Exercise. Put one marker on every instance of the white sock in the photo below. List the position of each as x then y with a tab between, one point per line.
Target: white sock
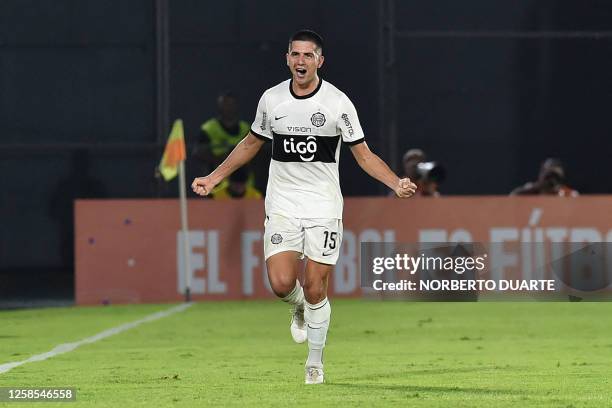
317	318
296	296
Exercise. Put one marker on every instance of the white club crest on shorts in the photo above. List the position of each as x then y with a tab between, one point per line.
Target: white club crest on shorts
318	119
276	238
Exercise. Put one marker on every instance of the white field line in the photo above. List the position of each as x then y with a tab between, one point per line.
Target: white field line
66	347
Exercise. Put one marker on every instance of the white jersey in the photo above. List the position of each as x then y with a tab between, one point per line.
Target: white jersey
305	133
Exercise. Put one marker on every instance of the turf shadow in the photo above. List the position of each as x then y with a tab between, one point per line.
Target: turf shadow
416	388
457	370
439	371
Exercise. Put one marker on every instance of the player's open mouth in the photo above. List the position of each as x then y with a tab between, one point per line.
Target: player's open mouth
301	72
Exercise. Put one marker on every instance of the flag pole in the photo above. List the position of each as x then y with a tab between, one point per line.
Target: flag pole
185	231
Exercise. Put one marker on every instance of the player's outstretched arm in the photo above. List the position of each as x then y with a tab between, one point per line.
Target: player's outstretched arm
242	154
377	168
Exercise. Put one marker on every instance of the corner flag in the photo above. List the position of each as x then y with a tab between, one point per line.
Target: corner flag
173	163
174	153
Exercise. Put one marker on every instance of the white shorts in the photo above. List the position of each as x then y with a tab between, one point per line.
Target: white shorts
318	239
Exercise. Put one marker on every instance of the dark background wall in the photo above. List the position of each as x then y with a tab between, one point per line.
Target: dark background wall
487	88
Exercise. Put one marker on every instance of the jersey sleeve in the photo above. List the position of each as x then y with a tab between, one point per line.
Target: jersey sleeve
261	124
348	123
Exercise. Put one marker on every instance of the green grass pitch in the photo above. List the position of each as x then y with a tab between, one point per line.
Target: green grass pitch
378	354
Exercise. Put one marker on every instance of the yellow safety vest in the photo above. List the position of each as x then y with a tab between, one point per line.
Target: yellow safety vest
221	142
223	194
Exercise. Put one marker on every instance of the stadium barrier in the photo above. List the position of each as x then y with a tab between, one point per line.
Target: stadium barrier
127	250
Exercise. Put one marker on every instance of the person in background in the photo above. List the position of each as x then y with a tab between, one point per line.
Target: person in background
219	135
426	175
410	161
236	187
551	181
429	177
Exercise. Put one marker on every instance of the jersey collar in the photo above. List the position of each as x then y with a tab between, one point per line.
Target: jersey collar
313	93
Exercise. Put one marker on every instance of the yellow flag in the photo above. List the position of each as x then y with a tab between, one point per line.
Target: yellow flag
174	152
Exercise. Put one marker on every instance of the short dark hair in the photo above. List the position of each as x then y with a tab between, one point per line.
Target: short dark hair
307	35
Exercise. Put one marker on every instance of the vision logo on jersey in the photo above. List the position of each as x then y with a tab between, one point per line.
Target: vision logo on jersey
318	119
301	148
299	129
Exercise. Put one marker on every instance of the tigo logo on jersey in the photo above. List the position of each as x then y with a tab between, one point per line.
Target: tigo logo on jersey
305	149
302	148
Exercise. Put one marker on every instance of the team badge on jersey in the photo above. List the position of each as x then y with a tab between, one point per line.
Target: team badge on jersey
276	238
318	119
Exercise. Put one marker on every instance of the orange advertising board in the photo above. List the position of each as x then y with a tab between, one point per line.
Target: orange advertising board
128	251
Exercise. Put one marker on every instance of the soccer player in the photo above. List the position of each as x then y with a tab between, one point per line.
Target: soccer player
305	118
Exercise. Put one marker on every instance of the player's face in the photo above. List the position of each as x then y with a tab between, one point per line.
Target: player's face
303	60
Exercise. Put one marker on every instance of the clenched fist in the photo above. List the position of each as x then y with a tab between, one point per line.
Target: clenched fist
203	185
405	188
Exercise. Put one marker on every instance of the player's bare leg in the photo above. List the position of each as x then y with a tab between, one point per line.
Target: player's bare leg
317	315
282	273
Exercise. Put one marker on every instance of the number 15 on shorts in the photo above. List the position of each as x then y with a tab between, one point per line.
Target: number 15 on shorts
330	241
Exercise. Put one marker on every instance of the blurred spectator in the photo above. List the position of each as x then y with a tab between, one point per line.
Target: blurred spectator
551	181
426	175
410	160
236	187
220	134
430	176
